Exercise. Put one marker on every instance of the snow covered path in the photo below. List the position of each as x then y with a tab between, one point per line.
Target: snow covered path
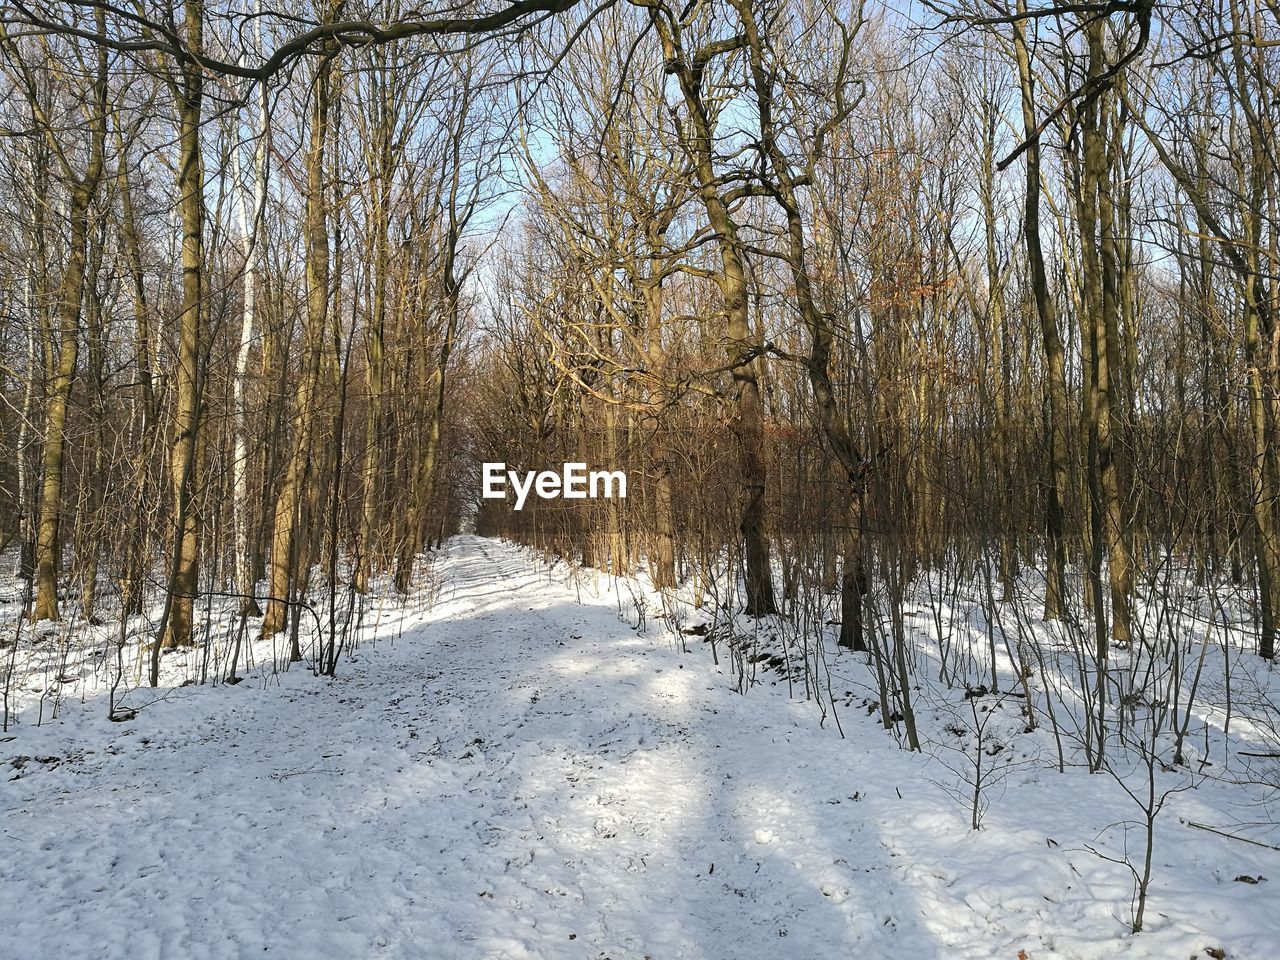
518	775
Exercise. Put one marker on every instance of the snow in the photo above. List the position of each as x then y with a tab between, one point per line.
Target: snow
513	770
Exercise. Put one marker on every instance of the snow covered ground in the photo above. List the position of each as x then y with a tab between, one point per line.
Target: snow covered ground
514	771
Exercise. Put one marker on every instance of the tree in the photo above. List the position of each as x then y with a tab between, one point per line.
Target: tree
82	188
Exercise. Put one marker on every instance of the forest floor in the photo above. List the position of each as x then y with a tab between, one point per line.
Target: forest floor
514	771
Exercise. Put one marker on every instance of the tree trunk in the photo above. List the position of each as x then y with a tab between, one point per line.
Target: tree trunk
70	301
250	217
188	378
288	552
1057	481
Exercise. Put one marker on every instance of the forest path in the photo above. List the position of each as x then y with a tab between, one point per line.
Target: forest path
514	774
618	803
517	776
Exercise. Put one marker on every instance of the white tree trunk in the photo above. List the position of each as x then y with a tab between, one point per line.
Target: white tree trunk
249	220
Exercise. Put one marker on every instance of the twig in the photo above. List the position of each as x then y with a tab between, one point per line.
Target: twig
1230	836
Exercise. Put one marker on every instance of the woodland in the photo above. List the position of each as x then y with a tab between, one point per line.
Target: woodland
940	334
